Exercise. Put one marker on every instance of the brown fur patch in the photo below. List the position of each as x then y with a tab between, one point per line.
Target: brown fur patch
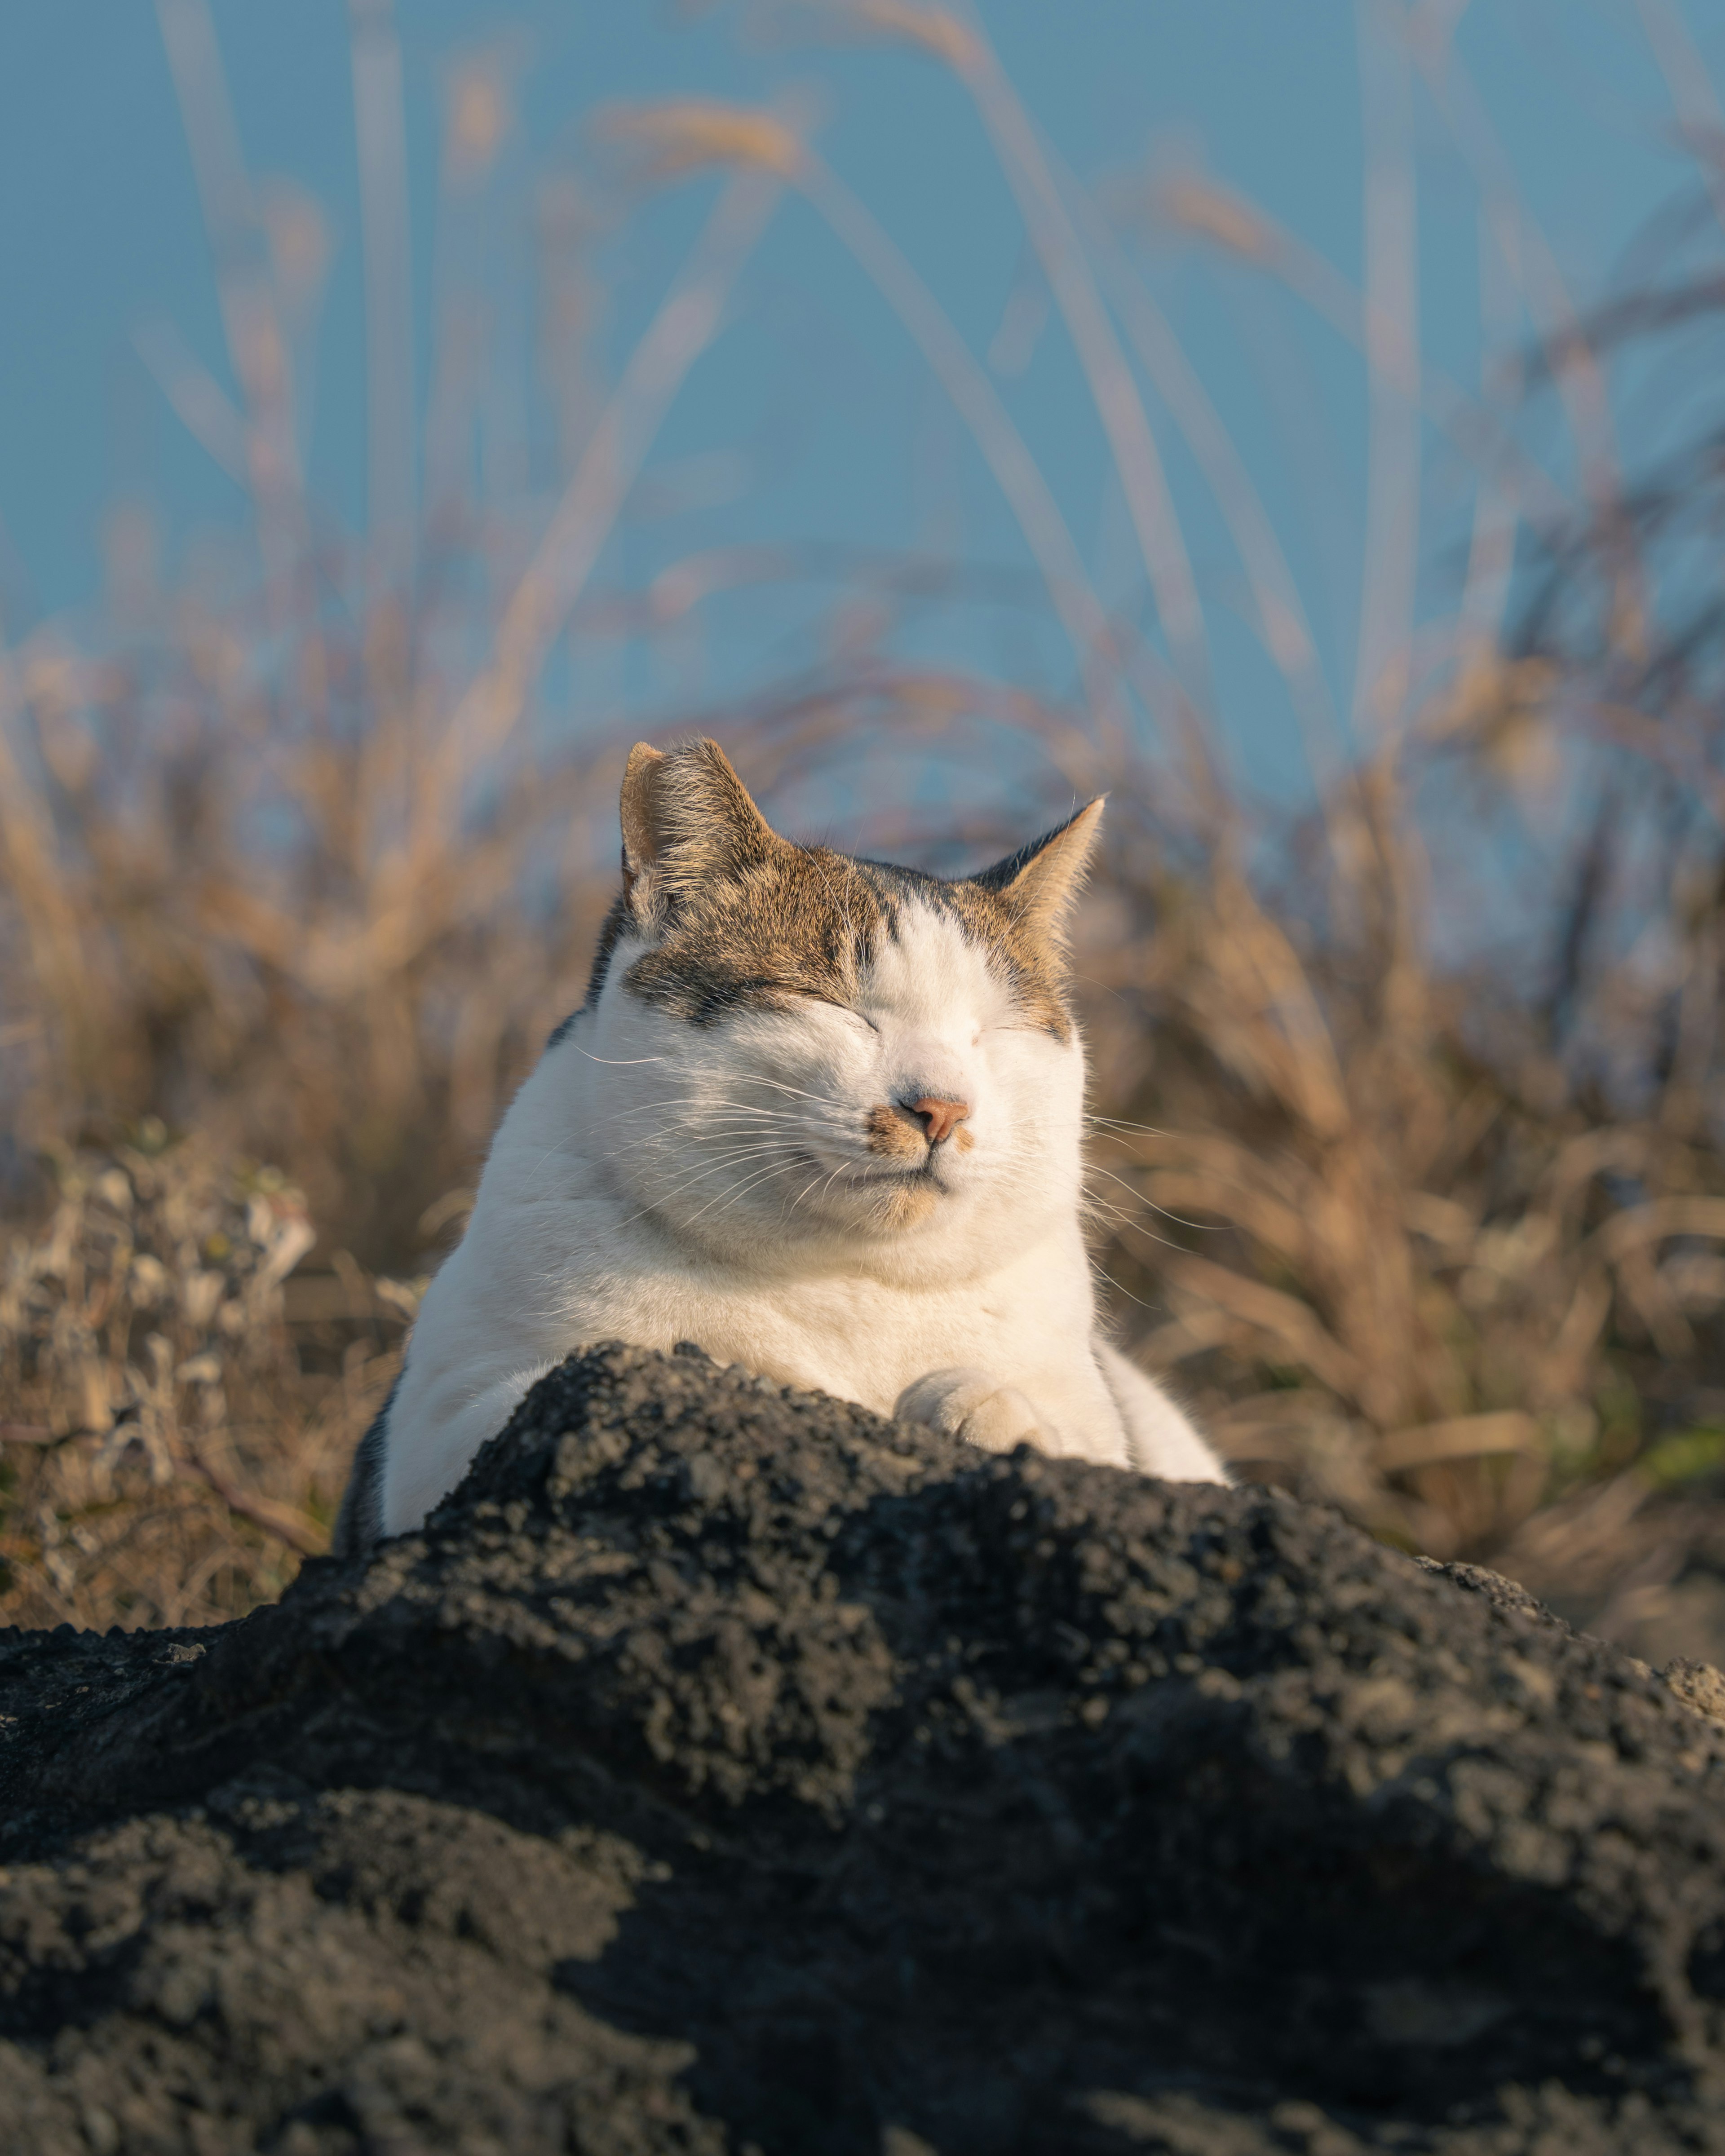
802	923
1023	904
1032	962
894	1134
903	1204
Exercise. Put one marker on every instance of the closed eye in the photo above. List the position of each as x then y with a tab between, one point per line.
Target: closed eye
811	996
832	1003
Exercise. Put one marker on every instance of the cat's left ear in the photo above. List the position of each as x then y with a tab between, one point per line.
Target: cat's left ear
1041	880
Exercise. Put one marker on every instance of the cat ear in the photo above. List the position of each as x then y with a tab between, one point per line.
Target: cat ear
1040	881
687	821
637	815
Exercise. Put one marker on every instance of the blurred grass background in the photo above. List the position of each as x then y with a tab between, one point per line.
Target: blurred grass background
1407	1163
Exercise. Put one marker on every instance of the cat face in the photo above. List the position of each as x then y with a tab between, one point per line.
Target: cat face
789	1048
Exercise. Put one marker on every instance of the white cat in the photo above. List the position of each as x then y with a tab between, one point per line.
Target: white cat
821	1117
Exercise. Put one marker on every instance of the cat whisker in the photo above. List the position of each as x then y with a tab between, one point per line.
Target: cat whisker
660	1105
682	1109
803	1192
1123	1224
713	1167
1101	1275
787	1143
1202	1227
733	1122
830	1181
732	1154
730	1125
731	1197
1112	1124
779	1085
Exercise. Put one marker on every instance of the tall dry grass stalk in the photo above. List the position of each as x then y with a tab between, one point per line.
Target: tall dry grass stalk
302	876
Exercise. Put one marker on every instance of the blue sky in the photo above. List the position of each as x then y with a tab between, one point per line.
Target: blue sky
811	422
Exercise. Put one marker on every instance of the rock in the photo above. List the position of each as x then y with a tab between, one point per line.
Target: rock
1699	1685
724	1768
1503	1594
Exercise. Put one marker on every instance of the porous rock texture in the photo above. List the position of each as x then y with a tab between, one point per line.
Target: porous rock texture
722	1768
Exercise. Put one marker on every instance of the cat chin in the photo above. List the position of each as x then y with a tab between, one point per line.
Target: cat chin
907	1205
889	1205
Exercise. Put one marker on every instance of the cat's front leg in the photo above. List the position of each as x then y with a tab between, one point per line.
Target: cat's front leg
975	1406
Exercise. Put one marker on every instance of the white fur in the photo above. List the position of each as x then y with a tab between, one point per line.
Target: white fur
658	1181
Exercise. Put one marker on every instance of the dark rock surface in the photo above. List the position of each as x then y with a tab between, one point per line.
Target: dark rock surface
721	1768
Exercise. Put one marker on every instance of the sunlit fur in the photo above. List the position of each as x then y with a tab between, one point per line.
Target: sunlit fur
755	1183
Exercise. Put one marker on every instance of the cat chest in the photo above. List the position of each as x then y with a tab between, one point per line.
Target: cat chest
865	1343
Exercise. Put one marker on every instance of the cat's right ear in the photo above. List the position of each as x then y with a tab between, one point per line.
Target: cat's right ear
688	822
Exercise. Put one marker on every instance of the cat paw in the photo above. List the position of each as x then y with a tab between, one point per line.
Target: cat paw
976	1407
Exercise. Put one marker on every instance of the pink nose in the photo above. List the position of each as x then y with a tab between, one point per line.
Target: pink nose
940	1118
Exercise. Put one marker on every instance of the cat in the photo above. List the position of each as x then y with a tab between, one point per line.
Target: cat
818	1116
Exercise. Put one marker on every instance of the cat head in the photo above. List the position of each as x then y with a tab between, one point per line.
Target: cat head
789	1046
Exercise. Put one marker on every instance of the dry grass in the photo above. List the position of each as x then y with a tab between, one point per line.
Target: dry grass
1443	1243
1440	1289
172	1451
